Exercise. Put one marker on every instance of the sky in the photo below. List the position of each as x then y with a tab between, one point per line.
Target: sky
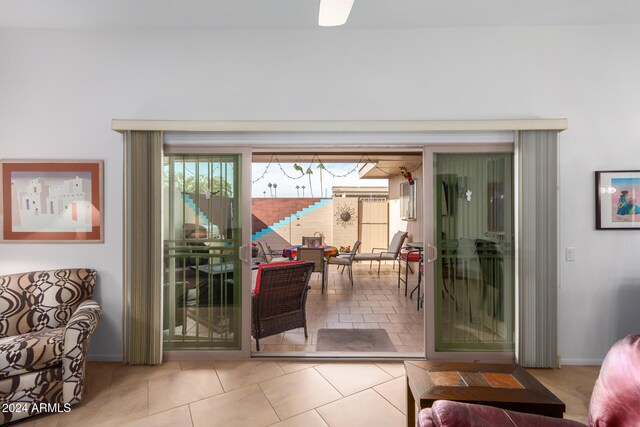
286	185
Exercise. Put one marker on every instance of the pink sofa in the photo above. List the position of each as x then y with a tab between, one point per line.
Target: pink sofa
615	400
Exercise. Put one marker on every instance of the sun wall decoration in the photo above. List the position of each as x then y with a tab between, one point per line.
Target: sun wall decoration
346	216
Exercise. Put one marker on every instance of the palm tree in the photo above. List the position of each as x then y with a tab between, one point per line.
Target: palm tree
321	167
275	189
310	172
298	190
214	185
264	194
303	187
270	187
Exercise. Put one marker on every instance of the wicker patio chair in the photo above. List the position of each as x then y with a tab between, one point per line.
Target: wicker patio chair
312	241
279	304
315	255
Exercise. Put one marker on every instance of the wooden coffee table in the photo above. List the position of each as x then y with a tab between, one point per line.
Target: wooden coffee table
506	386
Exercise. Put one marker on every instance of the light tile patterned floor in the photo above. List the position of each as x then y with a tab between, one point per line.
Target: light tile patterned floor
374	302
260	394
287	394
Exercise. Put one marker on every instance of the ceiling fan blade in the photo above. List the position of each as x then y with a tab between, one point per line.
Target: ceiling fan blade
334	12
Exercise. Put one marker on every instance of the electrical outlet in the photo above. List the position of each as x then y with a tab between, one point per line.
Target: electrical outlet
571	253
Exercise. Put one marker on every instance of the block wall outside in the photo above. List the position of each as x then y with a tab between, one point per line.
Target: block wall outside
309	224
345	234
269	210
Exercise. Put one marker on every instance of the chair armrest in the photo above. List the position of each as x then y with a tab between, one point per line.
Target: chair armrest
85	319
77	332
387	252
382	251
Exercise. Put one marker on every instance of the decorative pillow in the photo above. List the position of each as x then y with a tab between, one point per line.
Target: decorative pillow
273	264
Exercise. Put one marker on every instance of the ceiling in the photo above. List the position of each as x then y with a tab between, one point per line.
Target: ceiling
336	156
303	14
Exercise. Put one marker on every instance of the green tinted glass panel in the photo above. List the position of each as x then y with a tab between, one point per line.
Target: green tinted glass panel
474	272
202	278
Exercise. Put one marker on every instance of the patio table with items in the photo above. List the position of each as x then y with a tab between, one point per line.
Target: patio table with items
292	251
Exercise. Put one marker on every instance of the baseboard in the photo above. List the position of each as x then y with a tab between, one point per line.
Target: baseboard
585	362
104	357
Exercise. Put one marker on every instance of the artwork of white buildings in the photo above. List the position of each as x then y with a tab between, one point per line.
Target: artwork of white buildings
55	202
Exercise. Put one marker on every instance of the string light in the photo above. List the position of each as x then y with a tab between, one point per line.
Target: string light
265	170
364	159
285	172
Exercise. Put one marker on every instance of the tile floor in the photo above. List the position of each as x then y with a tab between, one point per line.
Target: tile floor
374	302
267	393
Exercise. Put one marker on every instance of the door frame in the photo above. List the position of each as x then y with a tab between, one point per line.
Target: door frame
430	238
394	134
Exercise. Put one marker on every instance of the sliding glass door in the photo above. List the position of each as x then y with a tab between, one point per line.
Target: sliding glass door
473	232
203	252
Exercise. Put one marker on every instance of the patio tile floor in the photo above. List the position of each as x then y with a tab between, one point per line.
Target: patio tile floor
374	302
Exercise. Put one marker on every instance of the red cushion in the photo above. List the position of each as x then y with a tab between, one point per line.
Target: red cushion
273	264
413	256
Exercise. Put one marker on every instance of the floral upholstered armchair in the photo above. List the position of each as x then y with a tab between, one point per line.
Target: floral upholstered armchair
46	319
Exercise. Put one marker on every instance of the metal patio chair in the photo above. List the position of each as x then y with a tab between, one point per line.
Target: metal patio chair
385	254
346	260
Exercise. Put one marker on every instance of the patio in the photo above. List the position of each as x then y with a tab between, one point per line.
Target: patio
374	302
470	274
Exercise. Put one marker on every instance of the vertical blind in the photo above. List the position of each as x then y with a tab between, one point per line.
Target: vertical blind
538	257
142	321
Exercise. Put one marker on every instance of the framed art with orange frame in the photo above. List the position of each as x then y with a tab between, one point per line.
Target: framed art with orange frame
52	201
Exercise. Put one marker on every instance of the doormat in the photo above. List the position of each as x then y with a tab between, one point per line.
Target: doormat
371	340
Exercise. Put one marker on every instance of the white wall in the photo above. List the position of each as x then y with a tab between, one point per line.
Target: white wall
414	228
60	89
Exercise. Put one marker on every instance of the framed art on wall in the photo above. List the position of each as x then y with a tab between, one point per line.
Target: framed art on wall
618	200
51	201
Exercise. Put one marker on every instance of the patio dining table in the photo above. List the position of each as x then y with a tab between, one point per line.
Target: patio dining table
292	251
